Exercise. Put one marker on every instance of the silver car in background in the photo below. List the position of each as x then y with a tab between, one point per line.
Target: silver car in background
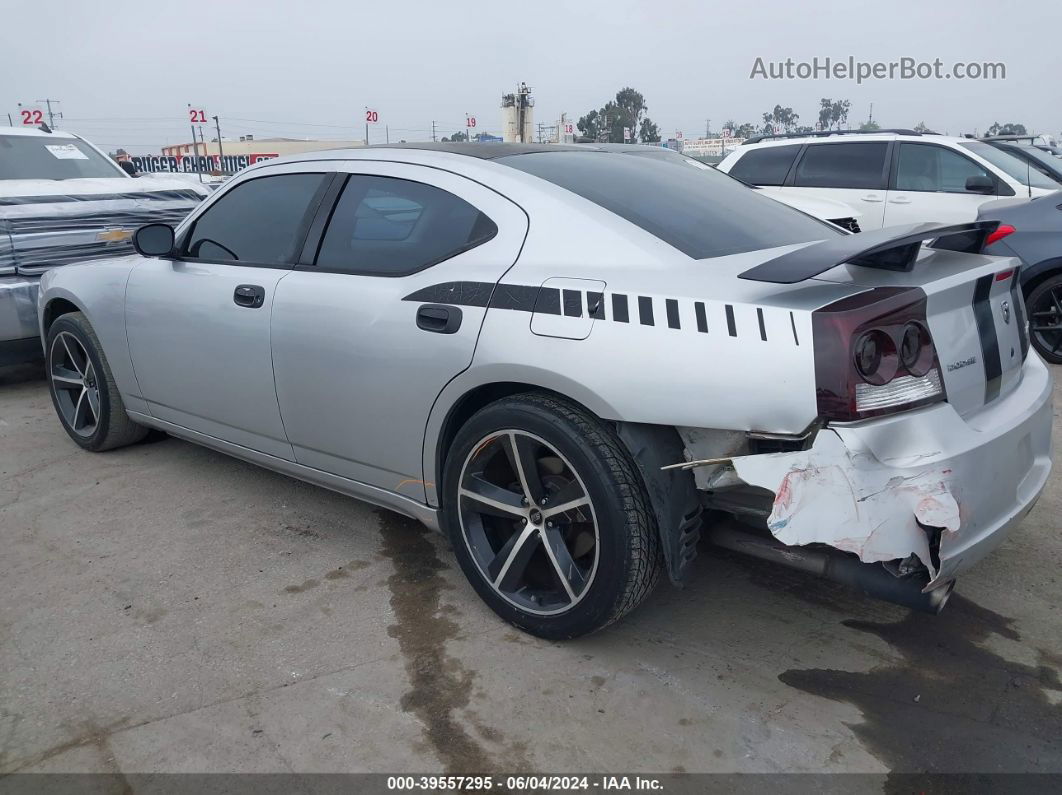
570	360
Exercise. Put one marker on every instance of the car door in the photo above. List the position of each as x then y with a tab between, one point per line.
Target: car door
852	172
928	184
369	329
198	323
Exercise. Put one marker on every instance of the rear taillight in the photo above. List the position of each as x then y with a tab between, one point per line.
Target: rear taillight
1002	231
874	355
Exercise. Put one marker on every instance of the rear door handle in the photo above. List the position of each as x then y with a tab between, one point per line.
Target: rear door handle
250	296
900	200
871	197
439	318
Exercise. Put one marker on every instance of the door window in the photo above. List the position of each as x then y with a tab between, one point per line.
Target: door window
842	165
393	227
766	166
261	221
924	167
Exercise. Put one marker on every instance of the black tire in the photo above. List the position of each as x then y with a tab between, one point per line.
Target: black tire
1044	307
628	553
112	428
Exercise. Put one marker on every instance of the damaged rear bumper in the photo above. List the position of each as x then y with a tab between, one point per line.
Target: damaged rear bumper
928	482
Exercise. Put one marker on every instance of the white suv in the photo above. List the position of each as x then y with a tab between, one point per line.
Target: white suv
890	178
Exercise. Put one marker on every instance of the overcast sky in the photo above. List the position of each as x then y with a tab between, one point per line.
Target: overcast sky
126	71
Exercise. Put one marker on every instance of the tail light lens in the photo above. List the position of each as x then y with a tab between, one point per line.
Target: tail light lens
874	355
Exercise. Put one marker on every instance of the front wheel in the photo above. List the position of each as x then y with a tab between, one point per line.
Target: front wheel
84	394
549	517
1044	307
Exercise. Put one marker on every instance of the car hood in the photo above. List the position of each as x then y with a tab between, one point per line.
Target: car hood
34	189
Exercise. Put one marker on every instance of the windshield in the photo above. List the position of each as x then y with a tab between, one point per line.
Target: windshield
1011	165
702	213
1045	161
40	157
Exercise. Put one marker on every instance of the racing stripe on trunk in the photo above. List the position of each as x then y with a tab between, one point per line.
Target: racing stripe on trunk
986	332
1018	302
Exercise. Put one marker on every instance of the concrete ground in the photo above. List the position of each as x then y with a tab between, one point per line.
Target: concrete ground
166	608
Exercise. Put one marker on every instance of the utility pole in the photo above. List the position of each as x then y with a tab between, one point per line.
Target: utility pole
195	148
51	116
387	133
870	119
221	152
708	129
433	132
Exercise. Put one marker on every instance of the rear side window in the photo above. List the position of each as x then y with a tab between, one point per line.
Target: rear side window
847	165
261	221
923	167
702	213
392	227
767	166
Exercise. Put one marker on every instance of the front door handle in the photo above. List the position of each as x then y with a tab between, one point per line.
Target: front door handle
872	197
900	200
250	296
439	318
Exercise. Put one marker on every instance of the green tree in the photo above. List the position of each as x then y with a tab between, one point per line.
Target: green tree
457	137
649	133
785	118
921	127
627	110
590	125
833	115
1006	129
869	126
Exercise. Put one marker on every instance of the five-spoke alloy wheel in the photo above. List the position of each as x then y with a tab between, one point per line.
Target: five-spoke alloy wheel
548	516
1045	319
83	390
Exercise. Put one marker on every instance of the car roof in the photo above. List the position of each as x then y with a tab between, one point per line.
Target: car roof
34	131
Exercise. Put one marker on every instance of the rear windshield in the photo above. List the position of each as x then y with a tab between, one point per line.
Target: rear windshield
702	213
33	157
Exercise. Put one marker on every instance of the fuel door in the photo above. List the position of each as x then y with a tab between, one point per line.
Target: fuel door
567	308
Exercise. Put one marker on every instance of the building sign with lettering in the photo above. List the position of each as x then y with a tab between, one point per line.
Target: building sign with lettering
194	164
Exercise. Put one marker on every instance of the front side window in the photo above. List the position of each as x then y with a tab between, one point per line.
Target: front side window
842	165
261	221
766	166
1010	165
385	226
923	167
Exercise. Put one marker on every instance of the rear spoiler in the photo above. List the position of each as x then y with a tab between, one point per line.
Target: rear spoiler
894	248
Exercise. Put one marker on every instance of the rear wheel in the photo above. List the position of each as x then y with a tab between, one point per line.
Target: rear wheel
83	390
1044	307
549	517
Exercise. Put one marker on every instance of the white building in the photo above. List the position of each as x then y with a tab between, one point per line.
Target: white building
518	116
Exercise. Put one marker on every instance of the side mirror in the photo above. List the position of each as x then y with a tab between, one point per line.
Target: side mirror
980	184
154	240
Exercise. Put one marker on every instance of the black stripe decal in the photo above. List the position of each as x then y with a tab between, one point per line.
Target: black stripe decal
672	313
518	297
763	329
645	310
619	308
573	303
792	322
1018	305
549	301
595	305
986	332
730	325
457	293
702	318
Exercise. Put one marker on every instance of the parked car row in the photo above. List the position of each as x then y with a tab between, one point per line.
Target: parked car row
903	177
573	359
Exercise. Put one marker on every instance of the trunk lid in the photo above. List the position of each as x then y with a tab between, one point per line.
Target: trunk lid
976	317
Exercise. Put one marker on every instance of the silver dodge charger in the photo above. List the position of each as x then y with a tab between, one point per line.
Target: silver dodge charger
575	363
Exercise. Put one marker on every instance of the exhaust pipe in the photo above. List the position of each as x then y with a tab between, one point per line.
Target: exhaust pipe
870	578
